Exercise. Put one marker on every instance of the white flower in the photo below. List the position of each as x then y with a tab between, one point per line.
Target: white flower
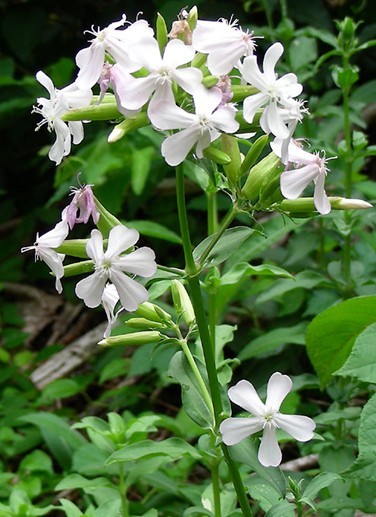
110	265
110	298
198	129
54	108
163	71
44	250
266	418
118	43
307	167
274	94
224	42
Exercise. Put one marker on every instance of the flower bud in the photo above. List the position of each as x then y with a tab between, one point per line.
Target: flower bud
260	175
133	339
240	92
254	152
230	146
143	323
73	247
342	203
152	312
127	126
106	221
210	80
161	32
182	302
79	268
215	154
103	111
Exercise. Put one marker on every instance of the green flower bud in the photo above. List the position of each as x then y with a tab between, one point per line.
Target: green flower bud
133	339
230	146
260	175
79	268
106	221
215	154
73	248
182	302
103	111
210	80
152	312
192	18
143	323
161	32
127	126
342	203
240	92
199	60
254	152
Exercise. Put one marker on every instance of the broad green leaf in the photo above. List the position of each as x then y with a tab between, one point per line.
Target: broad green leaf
36	461
282	509
272	340
59	437
171	448
303	280
60	389
230	241
70	509
109	508
331	335
319	482
153	229
244	269
365	465
361	363
265	493
78	481
141	164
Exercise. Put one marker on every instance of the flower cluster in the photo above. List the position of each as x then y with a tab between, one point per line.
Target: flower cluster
170	86
114	268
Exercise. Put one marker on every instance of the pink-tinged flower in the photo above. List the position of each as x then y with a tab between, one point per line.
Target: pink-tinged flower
274	95
165	70
110	299
198	129
117	43
83	203
224	42
267	418
302	168
111	266
54	108
44	247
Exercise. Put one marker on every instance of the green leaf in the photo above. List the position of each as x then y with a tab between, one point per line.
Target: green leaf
331	335
230	241
282	509
59	389
59	437
171	448
319	482
303	280
70	509
361	363
37	461
77	481
243	269
272	340
152	229
365	465
141	164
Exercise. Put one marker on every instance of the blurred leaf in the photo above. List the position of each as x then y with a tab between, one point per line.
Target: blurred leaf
153	229
141	164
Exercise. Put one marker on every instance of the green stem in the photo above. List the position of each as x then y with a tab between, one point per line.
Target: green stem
196	372
208	349
212	212
216	490
123	492
229	217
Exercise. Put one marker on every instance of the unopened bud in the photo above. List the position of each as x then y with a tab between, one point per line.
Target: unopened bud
342	203
152	312
127	126
161	32
253	154
210	80
182	302
143	323
230	146
215	154
73	248
79	268
103	111
133	339
260	175
106	221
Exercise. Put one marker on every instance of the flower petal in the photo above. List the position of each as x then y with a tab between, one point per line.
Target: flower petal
271	121
90	289
252	103
177	53
299	427
131	293
244	395
90	61
234	430
269	453
176	147
120	239
140	262
271	57
278	387
295	181
94	246
321	200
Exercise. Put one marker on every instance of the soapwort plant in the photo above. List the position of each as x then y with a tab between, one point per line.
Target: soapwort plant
223	108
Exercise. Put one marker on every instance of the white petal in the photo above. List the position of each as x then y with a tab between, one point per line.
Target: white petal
121	239
252	103
278	387
206	101
274	122
234	430
176	147
46	82
94	246
167	115
58	149
251	73
131	293
90	61
244	395
295	181
269	453
77	131
188	78
55	237
321	200
271	57
55	262
140	262
222	60
137	91
90	289
206	137
177	53
110	298
224	119
298	426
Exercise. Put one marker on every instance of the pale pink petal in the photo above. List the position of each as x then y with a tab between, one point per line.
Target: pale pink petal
90	61
177	53
139	262
176	147
135	92
120	239
206	137
293	182
234	430
90	289
94	246
321	200
269	453
224	119
300	427
165	115
188	78
131	293
244	395
278	387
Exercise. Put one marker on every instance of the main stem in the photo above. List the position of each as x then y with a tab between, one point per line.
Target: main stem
207	345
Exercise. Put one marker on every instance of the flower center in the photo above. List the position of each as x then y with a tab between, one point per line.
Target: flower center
104	267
